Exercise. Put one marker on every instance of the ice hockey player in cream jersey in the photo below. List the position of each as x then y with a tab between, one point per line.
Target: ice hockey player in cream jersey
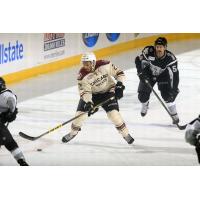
98	81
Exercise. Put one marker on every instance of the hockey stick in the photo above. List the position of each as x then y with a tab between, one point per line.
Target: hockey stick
61	125
179	126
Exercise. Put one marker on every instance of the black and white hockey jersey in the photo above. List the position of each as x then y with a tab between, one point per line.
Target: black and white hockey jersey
155	68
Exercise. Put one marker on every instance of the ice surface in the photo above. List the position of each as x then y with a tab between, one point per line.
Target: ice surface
157	142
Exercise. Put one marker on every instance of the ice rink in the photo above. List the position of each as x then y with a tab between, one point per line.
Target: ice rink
157	142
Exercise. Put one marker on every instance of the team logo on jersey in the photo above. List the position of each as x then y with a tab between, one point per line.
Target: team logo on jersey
90	39
100	80
146	51
112	36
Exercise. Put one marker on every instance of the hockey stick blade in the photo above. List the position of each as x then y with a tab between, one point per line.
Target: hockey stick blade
164	106
27	136
181	127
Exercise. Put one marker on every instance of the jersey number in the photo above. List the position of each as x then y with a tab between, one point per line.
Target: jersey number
174	68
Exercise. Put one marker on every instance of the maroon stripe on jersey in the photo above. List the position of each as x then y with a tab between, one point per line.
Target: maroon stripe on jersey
82	73
112	87
100	63
121	127
120	73
75	128
82	94
86	92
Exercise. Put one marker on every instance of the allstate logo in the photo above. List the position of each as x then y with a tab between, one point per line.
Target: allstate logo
112	36
10	52
90	39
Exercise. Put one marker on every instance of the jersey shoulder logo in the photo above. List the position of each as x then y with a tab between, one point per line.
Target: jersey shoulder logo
146	50
151	49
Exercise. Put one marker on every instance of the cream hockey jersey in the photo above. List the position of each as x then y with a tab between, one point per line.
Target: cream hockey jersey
100	80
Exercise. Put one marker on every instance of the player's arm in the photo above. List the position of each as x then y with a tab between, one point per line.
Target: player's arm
142	61
11	114
119	76
117	73
173	69
173	63
12	102
85	90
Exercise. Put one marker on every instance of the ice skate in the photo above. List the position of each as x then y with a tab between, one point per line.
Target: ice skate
67	138
172	110
129	139
22	162
145	107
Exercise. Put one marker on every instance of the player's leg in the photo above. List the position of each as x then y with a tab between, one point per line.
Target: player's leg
77	123
112	110
8	141
144	95
169	94
120	125
172	109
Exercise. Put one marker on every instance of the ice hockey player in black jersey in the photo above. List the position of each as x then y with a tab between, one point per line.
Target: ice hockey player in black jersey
192	135
8	113
158	65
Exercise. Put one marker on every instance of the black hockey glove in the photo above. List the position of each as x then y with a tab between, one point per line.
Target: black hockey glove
143	77
119	89
89	108
9	116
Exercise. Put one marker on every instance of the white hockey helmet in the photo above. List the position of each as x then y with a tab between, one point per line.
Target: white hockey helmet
89	56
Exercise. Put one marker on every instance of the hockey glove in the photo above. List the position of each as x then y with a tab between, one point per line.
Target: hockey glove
143	77
89	108
119	89
9	116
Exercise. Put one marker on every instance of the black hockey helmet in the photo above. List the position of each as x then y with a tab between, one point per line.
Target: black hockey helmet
161	41
2	84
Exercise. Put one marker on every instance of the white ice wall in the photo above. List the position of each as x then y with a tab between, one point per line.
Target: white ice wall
32	48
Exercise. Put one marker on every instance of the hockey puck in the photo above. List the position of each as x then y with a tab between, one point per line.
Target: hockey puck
39	149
